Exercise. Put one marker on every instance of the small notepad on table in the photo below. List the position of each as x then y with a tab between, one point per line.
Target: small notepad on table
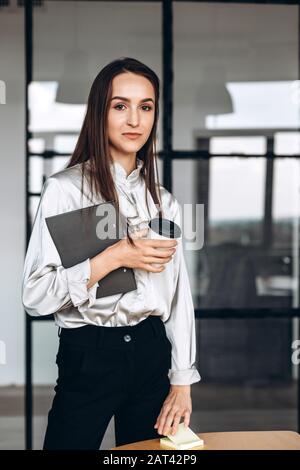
184	438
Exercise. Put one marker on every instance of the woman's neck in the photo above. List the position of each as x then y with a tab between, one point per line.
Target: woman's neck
128	163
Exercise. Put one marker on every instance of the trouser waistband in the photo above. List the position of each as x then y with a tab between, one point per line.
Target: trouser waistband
92	336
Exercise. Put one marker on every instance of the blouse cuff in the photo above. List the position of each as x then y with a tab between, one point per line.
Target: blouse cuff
184	377
77	278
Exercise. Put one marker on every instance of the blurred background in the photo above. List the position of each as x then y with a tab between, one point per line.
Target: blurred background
228	138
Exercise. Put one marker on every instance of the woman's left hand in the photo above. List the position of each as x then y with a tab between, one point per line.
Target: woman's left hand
177	404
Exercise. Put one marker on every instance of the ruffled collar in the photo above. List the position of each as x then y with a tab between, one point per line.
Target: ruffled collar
131	198
120	174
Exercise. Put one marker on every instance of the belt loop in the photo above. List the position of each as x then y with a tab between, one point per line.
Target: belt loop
59	331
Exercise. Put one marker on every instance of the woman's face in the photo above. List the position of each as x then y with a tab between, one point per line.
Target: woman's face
131	109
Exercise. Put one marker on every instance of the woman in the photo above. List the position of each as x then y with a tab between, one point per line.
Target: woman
132	355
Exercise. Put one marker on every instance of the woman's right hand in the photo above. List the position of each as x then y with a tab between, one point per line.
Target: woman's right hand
144	253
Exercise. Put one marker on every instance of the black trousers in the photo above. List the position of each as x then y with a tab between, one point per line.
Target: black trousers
109	371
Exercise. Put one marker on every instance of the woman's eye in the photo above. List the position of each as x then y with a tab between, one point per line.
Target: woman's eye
117	107
149	107
145	106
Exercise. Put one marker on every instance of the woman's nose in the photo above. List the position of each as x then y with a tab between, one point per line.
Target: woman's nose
133	118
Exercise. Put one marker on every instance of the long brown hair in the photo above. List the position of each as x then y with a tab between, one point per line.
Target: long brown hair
92	143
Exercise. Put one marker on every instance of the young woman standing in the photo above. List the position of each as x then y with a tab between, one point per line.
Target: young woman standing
132	355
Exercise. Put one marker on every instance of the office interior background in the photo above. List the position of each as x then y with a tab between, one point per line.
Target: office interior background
228	138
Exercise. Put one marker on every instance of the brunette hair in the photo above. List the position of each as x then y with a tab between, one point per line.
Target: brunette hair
92	143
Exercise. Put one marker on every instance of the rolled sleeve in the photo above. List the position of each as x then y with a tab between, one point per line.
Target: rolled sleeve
77	278
180	326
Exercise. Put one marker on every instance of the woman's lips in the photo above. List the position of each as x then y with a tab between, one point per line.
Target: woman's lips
132	136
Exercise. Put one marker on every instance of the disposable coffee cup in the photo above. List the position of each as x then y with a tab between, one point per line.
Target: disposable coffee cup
163	229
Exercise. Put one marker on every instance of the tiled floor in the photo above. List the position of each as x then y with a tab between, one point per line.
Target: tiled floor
215	408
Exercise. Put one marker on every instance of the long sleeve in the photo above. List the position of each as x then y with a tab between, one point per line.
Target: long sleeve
47	286
180	326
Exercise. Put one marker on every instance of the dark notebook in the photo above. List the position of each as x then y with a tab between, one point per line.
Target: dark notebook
83	233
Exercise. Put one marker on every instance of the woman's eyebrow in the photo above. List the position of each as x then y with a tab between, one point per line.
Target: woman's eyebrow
128	100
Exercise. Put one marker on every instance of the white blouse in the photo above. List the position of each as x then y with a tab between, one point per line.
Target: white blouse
49	288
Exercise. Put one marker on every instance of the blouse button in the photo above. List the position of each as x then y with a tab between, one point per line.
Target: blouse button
127	338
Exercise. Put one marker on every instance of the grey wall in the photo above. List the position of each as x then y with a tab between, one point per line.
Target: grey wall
12	188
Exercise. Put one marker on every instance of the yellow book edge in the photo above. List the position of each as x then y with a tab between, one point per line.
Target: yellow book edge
165	441
184	438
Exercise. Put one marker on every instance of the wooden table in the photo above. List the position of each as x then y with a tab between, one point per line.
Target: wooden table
246	440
